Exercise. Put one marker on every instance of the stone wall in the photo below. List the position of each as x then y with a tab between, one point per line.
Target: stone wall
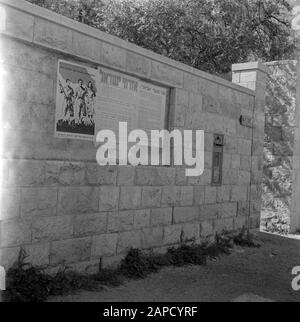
60	206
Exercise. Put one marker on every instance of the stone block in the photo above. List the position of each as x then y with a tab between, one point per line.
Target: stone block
231	145
227	160
181	178
240	223
190	82
185	214
161	216
137	64
109	198
126	176
245	163
203	180
24	56
230	177
97	175
18	24
166	75
23	173
10	203
193	116
207	228
211	104
228	210
224	225
187	196
165	176
128	240
78	200
145	176
180	115
15	233
52	172
210	195
53	35
112	262
209	212
244	147
122	221
243	209
86	47
257	177
52	228
239	193
191	232
256	192
223	194
230	126
70	251
172	234
151	237
36	202
113	56
86	225
199	195
104	245
151	196
8	256
236	162
142	218
38	254
130	198
244	177
171	196
72	174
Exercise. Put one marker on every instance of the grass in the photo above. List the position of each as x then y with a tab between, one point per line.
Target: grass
26	283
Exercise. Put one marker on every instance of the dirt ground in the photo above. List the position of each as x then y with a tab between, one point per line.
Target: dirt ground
247	275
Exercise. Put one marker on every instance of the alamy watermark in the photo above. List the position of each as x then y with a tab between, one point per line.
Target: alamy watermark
296	280
140	148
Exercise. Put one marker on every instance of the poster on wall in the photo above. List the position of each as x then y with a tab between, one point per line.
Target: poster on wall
123	98
75	101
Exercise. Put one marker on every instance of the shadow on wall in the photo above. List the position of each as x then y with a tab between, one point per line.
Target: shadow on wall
278	146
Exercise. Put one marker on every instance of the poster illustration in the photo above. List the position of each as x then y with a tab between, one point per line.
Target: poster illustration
75	101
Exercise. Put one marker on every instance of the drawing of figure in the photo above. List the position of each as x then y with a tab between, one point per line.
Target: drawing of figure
90	100
80	105
68	98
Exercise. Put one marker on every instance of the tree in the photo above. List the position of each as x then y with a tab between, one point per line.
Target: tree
209	35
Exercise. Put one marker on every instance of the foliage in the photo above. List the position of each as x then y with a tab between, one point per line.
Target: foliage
209	35
27	283
279	146
137	264
245	239
277	223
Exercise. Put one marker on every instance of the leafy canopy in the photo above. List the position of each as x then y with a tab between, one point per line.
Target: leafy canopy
209	35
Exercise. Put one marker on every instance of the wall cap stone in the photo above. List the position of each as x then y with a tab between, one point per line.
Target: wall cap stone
249	67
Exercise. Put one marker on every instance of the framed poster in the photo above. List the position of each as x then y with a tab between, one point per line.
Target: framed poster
75	101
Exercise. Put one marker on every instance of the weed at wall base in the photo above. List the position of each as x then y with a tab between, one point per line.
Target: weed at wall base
26	283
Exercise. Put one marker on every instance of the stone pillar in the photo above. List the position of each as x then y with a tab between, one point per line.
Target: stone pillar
253	76
295	207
